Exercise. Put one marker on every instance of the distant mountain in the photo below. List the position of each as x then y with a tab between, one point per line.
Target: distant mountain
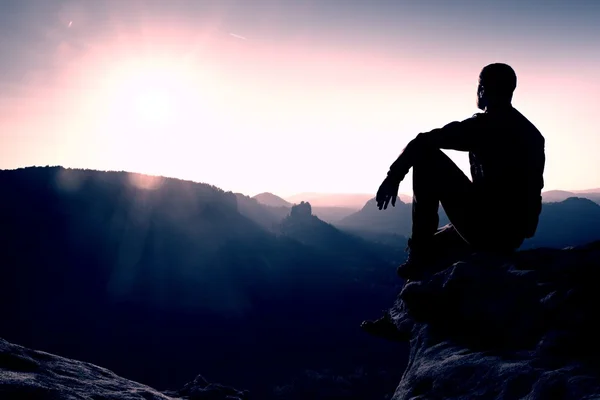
269	199
328	214
136	273
395	220
345	200
594	196
357	201
332	214
552	196
268	217
354	201
571	222
302	223
353	251
405	198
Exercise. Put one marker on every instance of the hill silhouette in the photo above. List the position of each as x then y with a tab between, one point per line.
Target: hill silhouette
332	214
592	194
553	196
355	252
353	201
395	220
329	214
269	199
571	222
136	273
269	217
345	200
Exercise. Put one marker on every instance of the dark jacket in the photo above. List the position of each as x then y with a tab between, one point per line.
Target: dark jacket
506	153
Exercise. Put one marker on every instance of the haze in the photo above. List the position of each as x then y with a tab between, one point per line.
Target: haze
285	96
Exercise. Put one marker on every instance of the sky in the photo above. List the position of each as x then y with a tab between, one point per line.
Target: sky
286	96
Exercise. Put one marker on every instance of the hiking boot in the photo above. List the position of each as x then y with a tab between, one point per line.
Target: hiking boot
417	263
385	328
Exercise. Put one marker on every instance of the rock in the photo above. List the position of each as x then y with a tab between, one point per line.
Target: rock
302	210
518	327
201	389
35	375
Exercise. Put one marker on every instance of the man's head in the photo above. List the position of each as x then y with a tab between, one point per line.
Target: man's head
497	83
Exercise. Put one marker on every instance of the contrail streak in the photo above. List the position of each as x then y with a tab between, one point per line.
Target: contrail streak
238	36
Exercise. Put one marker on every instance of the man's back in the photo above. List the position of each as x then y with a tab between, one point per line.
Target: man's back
507	165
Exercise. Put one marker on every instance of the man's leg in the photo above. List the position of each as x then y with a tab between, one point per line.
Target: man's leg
436	178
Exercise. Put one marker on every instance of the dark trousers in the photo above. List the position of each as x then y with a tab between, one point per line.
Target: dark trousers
437	179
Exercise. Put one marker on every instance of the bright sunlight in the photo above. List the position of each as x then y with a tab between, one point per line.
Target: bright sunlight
148	107
152	94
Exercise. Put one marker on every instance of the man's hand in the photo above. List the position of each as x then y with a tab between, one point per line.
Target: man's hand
387	191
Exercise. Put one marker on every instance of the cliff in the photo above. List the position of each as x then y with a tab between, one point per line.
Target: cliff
518	327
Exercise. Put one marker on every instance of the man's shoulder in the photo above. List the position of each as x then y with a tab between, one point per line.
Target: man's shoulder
476	117
474	120
470	124
529	126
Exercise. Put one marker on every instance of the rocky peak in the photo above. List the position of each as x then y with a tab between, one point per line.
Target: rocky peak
302	210
518	327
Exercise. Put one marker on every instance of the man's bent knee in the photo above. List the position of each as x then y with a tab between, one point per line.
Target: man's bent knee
433	162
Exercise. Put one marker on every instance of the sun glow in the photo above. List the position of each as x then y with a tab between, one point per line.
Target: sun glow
147	112
153	106
143	94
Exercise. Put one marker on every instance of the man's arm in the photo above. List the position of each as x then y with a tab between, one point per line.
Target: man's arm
460	136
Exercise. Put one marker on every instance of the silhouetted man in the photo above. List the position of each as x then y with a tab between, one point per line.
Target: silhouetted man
500	207
495	211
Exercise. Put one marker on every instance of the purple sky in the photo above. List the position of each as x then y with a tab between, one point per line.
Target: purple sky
285	96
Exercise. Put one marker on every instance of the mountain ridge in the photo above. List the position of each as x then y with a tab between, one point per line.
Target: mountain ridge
270	199
170	272
570	222
329	214
554	196
346	200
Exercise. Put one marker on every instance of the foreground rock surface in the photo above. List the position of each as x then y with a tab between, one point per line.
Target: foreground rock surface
523	327
35	375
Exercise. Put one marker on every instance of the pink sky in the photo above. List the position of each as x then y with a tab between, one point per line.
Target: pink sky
280	105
